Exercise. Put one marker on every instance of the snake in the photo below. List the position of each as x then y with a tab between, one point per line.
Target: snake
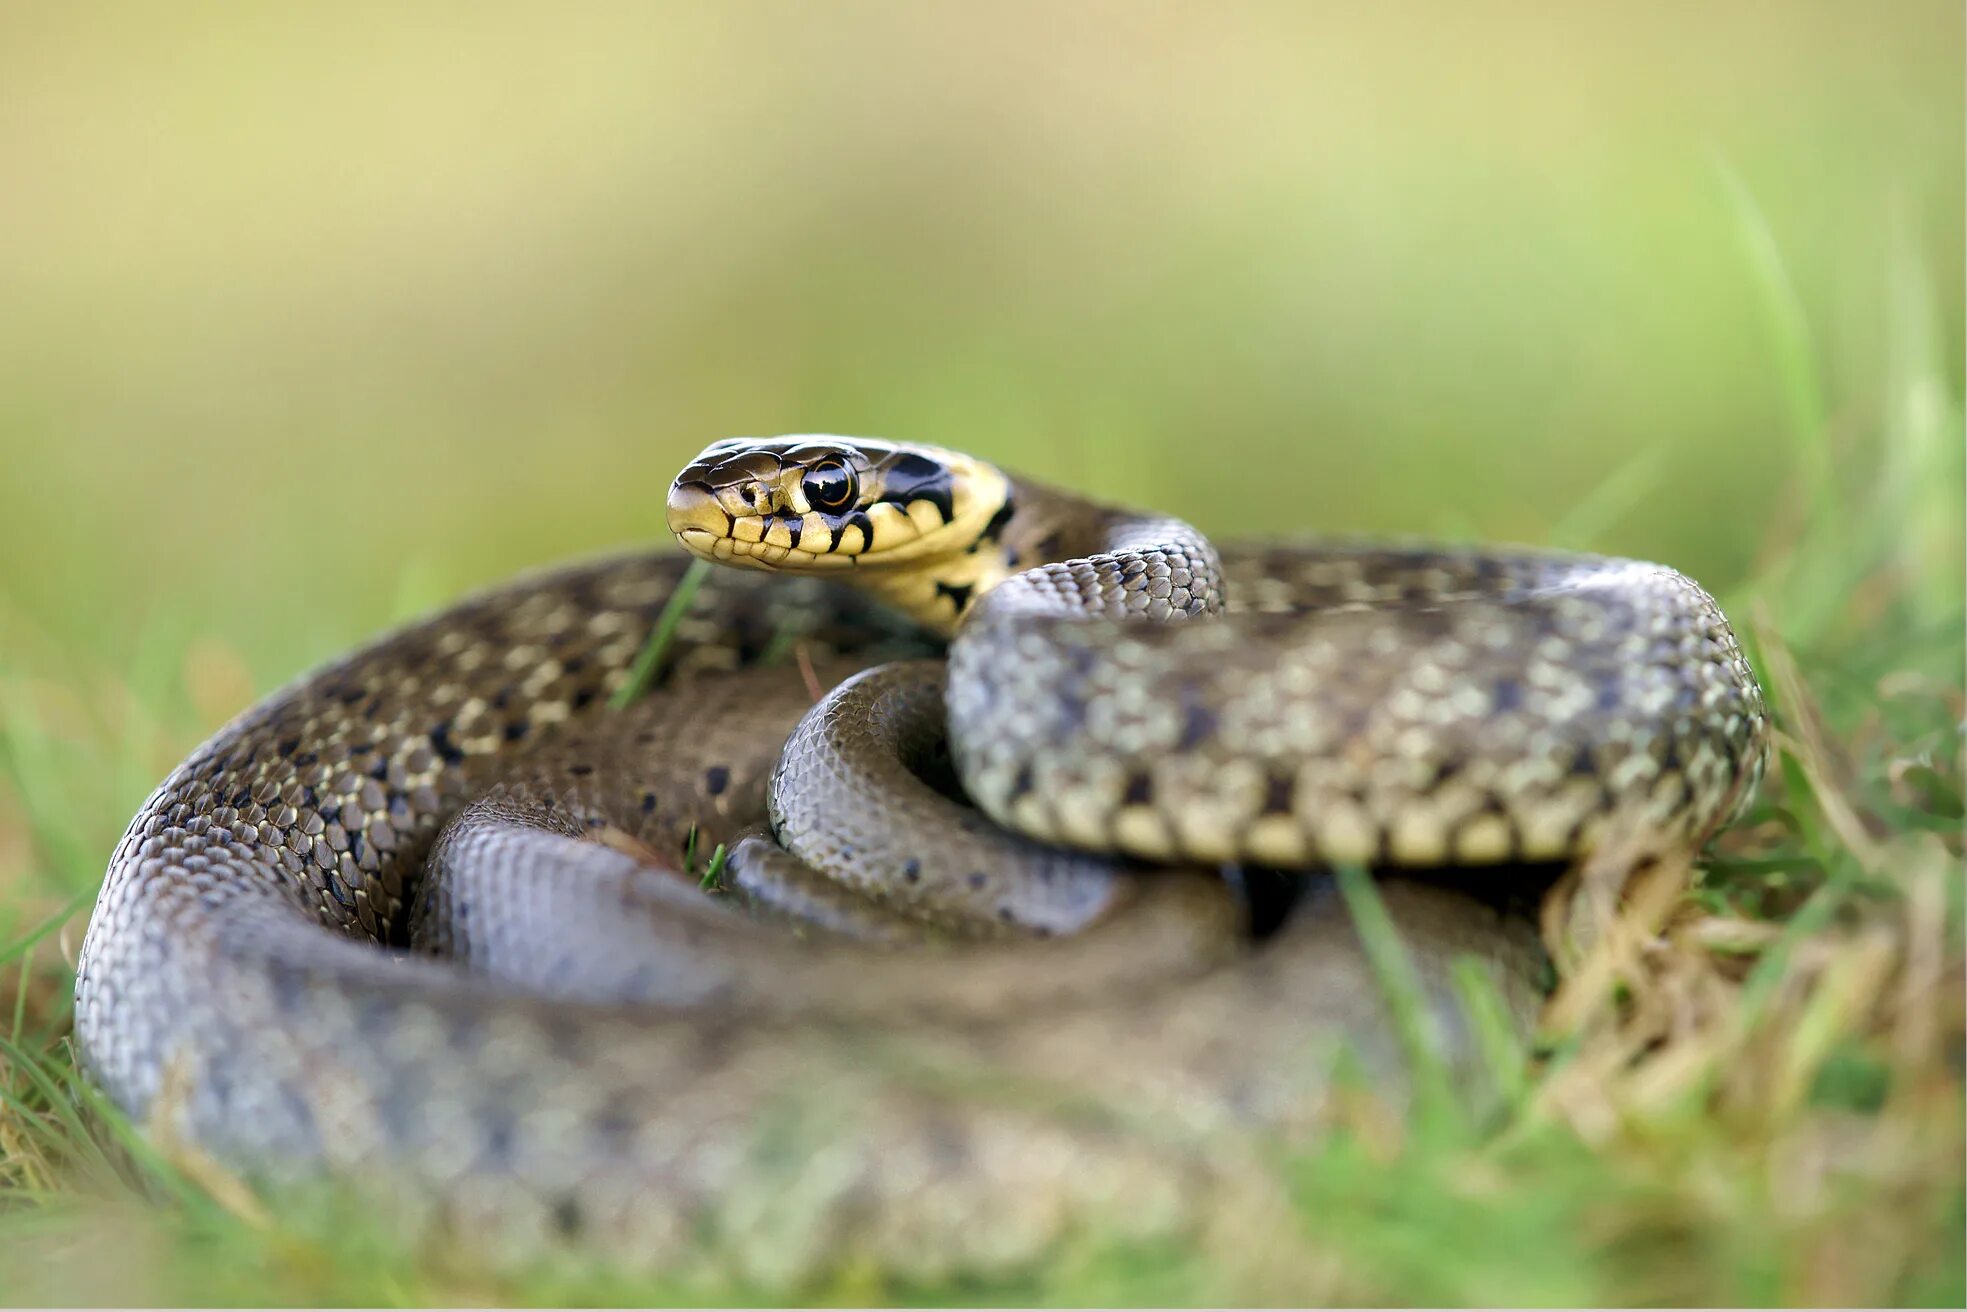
972	872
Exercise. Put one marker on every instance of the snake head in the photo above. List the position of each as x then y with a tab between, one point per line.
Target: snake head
813	503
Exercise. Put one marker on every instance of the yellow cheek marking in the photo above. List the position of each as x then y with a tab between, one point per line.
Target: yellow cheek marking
748	529
780	534
926	517
814	535
852	540
892	526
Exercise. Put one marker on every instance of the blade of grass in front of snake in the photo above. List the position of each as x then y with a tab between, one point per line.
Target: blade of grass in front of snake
714	872
1488	1018
643	672
708	878
1400	985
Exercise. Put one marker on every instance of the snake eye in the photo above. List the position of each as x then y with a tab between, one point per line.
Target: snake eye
830	485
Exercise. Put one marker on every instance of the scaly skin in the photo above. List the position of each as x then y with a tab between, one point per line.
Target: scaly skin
414	922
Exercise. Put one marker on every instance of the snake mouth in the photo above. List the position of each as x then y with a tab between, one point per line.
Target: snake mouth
705	522
817	504
707	545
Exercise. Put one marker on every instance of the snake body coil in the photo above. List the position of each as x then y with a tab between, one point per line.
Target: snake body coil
416	921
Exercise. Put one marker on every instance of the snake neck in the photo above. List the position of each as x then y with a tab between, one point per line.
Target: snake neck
937	593
1034	526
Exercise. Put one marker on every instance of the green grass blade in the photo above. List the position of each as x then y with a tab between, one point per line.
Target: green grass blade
1496	1037
1393	969
643	673
1789	333
47	926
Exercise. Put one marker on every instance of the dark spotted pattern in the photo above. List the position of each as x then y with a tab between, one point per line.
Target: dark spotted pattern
419	922
532	1034
1407	706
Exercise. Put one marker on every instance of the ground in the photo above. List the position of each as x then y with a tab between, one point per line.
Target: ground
1747	1089
309	327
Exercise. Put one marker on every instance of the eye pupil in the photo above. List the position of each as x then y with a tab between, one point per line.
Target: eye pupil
829	485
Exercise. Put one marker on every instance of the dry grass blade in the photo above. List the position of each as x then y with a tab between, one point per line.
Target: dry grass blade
1600	923
221	1185
1808	744
1927	983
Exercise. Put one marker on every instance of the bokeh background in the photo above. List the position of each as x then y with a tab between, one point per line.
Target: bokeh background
313	317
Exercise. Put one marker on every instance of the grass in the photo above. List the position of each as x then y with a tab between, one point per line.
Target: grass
1748	1089
647	661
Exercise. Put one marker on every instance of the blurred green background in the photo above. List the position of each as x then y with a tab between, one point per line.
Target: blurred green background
311	317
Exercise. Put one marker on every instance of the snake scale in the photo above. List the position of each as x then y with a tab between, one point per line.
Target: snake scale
999	768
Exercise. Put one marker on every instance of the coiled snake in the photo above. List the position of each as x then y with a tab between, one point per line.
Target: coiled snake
418	921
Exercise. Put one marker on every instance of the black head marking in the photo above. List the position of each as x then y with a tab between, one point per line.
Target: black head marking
994	530
958	594
917	478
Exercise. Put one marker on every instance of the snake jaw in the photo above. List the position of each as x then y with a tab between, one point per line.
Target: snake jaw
747	555
918	524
